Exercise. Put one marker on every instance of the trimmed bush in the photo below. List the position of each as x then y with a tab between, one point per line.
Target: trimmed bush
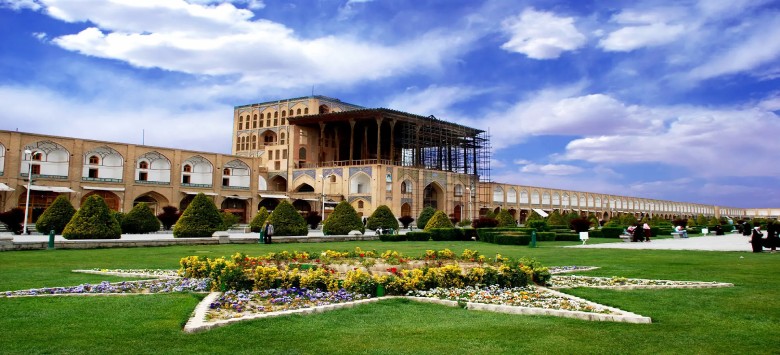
539	225
256	225
505	219
596	233
343	220
392	237
93	221
56	217
612	232
140	220
228	220
287	221
555	218
425	215
169	216
418	236
383	218
200	220
439	220
546	236
511	239
406	221
568	237
446	234
484	222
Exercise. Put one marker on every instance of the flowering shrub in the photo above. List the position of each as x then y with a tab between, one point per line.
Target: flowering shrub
359	281
320	278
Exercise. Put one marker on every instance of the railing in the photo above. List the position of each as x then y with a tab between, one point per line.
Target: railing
85	178
39	176
147	182
195	185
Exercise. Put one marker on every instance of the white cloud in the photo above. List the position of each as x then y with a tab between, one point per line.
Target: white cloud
224	40
541	35
433	100
551	169
630	38
17	5
521	162
349	9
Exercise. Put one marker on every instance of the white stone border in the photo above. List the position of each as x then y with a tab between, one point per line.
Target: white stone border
125	274
589	268
679	284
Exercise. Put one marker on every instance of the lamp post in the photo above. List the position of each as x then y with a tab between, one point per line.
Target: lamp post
29	182
322	192
468	207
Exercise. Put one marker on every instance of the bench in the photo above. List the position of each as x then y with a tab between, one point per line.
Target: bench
626	237
678	235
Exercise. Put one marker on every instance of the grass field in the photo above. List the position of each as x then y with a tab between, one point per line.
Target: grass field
743	319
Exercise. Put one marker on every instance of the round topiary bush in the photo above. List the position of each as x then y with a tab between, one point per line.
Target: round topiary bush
257	223
287	221
140	220
200	220
425	215
439	220
383	218
343	220
505	219
93	221
56	217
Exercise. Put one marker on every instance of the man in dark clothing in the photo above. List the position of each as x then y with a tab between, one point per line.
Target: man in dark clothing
269	231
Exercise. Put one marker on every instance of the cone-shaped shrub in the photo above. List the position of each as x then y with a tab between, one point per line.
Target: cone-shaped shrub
93	221
200	220
425	215
343	220
56	217
257	223
287	221
505	219
533	217
439	220
383	218
556	219
140	220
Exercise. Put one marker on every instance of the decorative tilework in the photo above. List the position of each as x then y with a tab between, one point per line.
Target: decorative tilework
309	172
363	197
366	169
333	171
440	178
406	200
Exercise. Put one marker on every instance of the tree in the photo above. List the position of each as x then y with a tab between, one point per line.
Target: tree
439	220
701	220
343	220
200	220
56	216
93	221
257	223
628	219
533	217
556	219
713	221
505	219
425	215
140	220
287	221
383	218
406	221
580	224
169	216
228	220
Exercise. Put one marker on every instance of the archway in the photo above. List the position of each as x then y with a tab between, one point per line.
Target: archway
303	207
456	214
278	183
432	195
235	206
39	202
406	210
112	200
269	204
154	200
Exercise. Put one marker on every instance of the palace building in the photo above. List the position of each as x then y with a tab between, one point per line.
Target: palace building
314	151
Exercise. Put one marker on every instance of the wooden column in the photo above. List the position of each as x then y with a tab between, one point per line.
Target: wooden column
351	140
322	142
378	138
392	142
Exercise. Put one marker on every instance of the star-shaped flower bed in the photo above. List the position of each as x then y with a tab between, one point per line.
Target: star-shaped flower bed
221	308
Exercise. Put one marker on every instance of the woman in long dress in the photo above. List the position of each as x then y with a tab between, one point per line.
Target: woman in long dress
757	240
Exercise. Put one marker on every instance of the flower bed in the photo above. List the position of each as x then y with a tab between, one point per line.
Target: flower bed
571	281
124	287
237	304
530	296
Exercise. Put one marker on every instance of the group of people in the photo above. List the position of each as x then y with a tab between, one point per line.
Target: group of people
639	234
266	233
757	240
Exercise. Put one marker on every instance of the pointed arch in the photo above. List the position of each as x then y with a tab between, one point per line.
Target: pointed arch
433	195
360	184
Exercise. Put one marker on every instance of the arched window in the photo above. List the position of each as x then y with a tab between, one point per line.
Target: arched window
281	138
94	160
187	168
333	178
302	154
37	156
240	122
143	165
226	171
299	111
254	142
254	122
360	204
305	110
284	113
276	114
291	112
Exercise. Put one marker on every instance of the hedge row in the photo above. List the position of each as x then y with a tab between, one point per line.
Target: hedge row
436	234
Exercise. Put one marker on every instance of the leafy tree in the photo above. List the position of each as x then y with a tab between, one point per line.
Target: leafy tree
490	214
439	220
343	220
570	216
580	224
713	221
505	219
56	217
484	222
228	220
287	221
257	223
627	219
140	220
93	221
425	215
169	216
540	225
200	220
383	218
701	220
533	217
556	219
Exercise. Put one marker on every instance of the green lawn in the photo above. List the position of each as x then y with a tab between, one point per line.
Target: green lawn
743	319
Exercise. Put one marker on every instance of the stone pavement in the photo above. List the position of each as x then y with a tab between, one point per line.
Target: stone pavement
728	242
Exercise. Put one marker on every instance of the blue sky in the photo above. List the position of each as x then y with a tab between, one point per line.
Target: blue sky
674	100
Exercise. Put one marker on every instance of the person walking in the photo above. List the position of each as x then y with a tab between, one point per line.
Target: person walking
269	232
757	239
772	238
646	230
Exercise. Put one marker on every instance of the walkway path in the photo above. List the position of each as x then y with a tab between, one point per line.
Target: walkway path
728	242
